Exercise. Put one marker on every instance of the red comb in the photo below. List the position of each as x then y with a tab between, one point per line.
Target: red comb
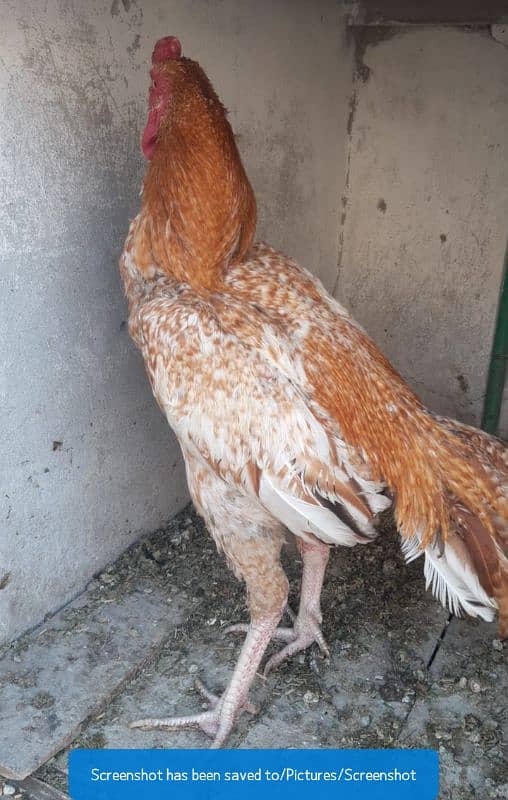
168	47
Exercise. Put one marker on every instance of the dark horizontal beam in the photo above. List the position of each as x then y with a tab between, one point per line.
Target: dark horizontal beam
427	12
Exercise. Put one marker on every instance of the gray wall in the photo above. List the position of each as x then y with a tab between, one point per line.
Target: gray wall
420	241
87	461
425	220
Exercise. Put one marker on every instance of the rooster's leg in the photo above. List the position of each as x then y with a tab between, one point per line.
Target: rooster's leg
306	626
267	594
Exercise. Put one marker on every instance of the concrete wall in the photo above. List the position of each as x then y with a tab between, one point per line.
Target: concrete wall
425	218
87	462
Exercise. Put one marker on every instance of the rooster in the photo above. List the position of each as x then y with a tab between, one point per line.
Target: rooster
288	416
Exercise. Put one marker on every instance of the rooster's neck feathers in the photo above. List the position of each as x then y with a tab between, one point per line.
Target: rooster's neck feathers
198	206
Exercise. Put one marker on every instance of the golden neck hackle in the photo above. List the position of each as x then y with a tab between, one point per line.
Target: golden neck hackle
198	210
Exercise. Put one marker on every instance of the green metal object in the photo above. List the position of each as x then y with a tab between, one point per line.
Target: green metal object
497	367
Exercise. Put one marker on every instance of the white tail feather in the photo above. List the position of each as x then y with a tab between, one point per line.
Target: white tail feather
452	579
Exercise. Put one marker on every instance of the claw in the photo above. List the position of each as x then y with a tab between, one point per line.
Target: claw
290	649
304	634
205	693
209	721
321	642
301	636
287	651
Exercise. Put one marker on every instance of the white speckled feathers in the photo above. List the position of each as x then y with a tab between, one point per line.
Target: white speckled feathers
237	373
233	388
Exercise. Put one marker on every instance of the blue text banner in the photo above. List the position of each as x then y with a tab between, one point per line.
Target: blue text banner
266	774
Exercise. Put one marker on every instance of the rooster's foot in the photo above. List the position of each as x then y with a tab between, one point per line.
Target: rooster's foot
305	631
217	722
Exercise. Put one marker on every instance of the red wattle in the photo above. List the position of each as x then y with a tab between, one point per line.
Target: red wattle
149	138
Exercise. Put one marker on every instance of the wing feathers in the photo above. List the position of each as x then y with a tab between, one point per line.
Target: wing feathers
308	516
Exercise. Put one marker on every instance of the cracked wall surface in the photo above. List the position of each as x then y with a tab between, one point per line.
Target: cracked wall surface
88	463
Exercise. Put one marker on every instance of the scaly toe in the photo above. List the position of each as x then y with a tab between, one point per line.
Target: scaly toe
206	694
321	642
239	627
299	640
212	722
285	634
282	634
207	721
287	651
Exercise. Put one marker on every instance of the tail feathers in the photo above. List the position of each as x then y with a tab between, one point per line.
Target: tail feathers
468	572
490	457
452	578
491	452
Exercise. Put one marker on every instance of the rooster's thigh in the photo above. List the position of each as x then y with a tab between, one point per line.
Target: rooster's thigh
249	536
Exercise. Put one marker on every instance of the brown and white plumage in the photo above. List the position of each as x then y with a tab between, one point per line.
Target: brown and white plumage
288	416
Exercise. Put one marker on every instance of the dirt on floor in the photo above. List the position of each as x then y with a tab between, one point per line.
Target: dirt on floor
400	673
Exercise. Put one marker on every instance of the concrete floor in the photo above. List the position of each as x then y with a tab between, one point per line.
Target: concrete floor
153	621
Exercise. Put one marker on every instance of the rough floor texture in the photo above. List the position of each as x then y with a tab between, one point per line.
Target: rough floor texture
54	680
376	691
